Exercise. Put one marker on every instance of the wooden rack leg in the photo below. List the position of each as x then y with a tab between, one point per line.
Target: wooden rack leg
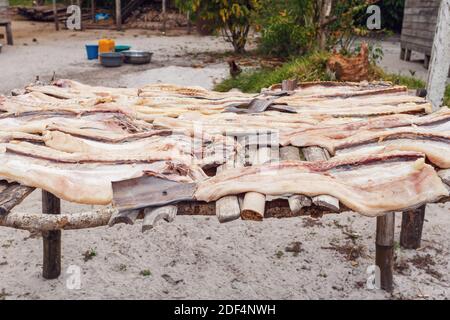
9	35
402	53
385	250
408	55
52	239
412	225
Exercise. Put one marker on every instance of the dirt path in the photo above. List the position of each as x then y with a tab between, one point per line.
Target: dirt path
198	258
63	53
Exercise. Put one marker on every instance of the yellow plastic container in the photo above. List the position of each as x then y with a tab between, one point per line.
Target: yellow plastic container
104	45
112	45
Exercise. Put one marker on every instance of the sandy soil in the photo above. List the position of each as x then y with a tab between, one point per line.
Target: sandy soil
196	257
199	258
63	53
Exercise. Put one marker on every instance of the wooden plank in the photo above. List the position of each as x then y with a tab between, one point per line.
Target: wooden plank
119	14
419	41
440	58
416	47
164	14
419	33
424	11
93	11
413	25
421	3
253	206
153	215
55	15
12	194
296	202
227	208
385	249
318	154
126	217
9	34
51	239
412	225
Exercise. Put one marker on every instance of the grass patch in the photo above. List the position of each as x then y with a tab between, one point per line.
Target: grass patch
20	2
145	273
29	3
309	68
89	254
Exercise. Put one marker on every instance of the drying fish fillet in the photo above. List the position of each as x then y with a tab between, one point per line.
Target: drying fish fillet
436	146
392	99
42	152
171	90
19	136
205	151
87	183
37	122
69	89
326	133
370	184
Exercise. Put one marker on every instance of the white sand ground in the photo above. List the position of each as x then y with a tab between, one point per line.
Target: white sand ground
196	257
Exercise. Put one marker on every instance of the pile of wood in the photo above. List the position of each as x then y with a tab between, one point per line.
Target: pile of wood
43	13
152	19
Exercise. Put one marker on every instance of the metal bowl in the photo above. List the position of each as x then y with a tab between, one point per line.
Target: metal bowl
111	59
137	57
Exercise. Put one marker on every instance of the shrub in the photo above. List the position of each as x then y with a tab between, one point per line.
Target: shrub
284	37
232	17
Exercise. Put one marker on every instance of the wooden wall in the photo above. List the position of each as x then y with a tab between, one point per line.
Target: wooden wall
4	4
419	23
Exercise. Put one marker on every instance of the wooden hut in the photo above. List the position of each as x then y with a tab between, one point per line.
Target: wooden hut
419	25
5	20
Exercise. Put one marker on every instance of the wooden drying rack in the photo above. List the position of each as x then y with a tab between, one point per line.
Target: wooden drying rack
254	206
251	206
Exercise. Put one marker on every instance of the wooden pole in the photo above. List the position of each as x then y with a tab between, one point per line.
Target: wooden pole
119	14
188	16
93	10
440	57
9	35
164	15
385	250
55	14
412	225
52	239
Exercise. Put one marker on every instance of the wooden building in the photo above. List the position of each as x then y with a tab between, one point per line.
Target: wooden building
5	20
419	26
